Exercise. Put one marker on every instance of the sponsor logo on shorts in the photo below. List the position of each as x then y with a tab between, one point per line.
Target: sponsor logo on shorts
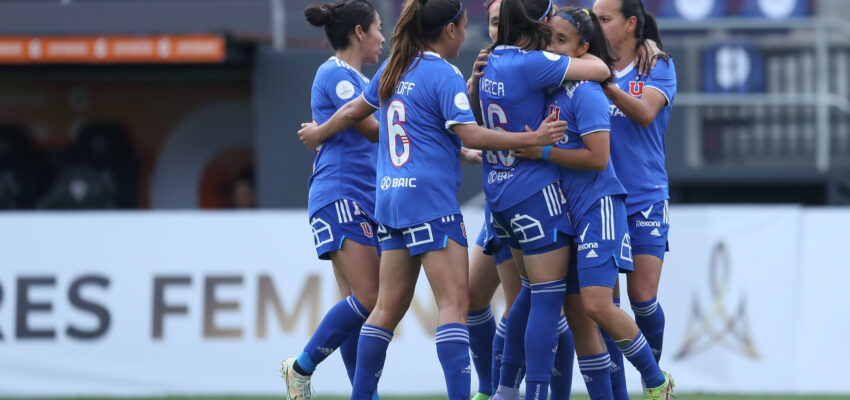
646	224
655	232
586	246
591	254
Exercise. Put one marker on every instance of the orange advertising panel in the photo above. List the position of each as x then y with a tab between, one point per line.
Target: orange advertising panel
201	48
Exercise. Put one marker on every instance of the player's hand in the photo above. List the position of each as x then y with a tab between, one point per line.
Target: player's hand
551	131
478	66
469	156
531	153
647	57
309	135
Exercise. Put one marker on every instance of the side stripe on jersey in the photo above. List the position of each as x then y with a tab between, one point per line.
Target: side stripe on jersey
606	210
552	196
343	211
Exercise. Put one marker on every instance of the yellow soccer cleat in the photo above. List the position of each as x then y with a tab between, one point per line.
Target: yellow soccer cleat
481	396
663	392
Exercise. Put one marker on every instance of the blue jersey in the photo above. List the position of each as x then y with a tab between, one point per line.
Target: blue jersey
513	95
585	108
419	173
638	152
344	167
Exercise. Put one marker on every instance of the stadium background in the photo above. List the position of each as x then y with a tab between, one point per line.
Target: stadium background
121	120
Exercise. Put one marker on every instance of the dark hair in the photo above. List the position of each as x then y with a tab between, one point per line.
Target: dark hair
421	22
646	27
523	19
340	18
589	31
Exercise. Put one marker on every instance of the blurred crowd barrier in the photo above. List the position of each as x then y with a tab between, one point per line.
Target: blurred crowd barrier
161	303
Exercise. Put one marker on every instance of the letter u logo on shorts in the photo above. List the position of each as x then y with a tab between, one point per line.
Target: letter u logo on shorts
367	229
527	227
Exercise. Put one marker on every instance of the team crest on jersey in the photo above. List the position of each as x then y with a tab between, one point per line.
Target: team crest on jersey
555	110
367	229
636	88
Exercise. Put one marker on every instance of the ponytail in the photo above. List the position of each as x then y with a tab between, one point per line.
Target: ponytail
421	22
647	27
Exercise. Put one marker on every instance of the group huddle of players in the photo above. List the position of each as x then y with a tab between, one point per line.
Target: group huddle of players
566	111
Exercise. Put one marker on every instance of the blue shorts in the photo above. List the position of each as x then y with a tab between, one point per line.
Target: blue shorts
425	237
488	241
340	220
649	228
538	224
604	274
603	235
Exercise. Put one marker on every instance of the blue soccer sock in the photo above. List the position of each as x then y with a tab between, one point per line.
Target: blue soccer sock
649	317
371	354
562	374
348	351
453	352
618	371
482	329
638	353
340	321
547	299
513	358
498	349
597	378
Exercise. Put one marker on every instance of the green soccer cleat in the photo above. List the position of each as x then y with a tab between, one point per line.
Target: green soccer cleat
481	396
663	392
297	385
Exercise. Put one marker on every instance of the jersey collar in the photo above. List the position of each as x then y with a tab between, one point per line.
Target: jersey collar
625	71
431	53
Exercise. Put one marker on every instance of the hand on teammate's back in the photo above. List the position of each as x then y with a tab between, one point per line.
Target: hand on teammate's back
309	135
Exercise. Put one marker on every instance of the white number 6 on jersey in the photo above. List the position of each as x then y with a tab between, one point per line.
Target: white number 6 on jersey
396	108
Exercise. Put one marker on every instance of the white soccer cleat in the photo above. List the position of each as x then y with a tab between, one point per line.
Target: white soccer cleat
297	385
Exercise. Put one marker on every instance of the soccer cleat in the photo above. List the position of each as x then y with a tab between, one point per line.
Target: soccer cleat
297	385
481	396
663	392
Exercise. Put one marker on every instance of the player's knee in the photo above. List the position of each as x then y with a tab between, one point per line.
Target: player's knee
477	300
597	308
367	300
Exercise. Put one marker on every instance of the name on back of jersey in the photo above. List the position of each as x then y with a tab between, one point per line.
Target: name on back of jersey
493	88
404	88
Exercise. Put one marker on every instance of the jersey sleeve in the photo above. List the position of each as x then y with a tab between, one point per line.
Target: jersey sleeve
454	103
371	92
545	69
342	86
663	79
592	109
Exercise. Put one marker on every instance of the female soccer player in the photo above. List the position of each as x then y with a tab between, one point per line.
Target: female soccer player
342	190
595	199
639	115
524	196
426	114
490	264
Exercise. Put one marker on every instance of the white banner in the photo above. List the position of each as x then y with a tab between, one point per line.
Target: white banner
153	303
